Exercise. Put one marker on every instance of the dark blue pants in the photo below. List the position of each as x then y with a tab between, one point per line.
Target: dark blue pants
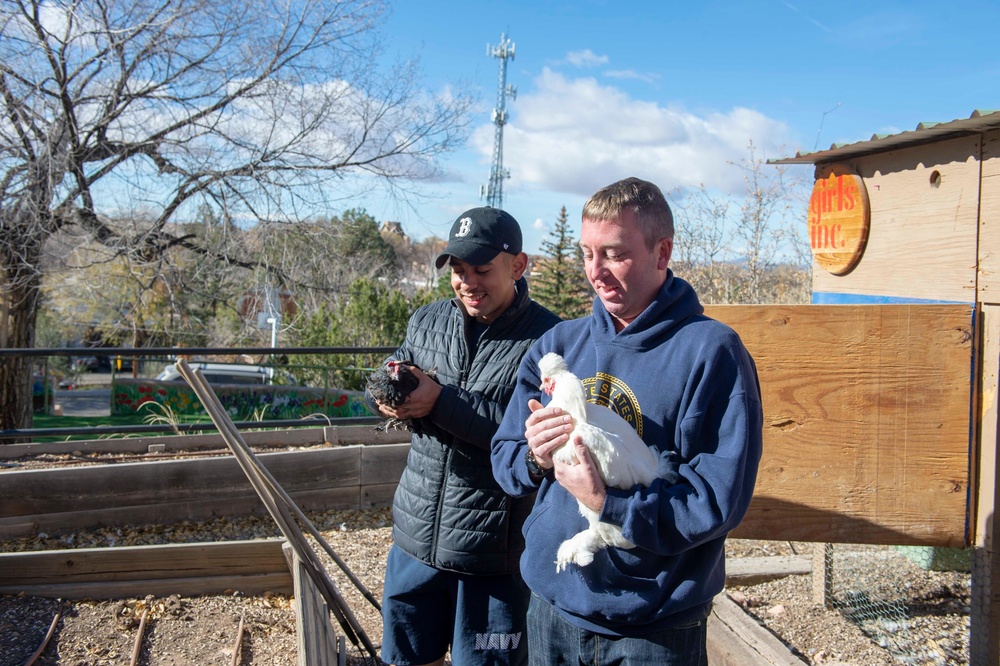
427	611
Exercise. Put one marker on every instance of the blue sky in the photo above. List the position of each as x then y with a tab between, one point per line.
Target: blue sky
673	92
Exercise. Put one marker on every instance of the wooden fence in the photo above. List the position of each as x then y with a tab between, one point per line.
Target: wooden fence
872	419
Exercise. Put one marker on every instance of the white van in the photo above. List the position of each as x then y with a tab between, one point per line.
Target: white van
220	373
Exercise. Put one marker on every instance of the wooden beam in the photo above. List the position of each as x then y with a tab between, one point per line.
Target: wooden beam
984	636
988	273
203	507
822	574
55	500
756	570
251	567
333	435
247	584
383	464
736	639
128	484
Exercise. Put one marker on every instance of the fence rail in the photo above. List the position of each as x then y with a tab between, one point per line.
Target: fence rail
100	431
133	352
159	353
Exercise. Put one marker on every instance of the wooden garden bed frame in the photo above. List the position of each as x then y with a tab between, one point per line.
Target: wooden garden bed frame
269	565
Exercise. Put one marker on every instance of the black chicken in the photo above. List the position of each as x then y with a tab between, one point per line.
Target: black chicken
390	385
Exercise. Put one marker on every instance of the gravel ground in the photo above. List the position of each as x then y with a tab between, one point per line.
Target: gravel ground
204	630
903	614
184	630
176	631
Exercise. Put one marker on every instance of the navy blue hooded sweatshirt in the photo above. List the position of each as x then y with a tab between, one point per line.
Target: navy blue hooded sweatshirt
689	387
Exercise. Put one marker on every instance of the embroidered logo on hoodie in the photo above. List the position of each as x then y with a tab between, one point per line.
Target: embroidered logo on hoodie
615	394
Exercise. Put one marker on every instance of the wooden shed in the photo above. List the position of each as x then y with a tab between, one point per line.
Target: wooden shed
933	198
914	219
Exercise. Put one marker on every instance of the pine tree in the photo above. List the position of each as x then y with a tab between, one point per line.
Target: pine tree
372	315
558	281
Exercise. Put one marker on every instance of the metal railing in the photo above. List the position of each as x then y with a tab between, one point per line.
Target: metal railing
150	354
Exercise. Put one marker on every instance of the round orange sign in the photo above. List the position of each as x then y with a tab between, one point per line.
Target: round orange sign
839	216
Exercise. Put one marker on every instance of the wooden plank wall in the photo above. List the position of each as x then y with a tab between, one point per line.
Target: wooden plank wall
984	641
61	500
923	238
252	567
866	432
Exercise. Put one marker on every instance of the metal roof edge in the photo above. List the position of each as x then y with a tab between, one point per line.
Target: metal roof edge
926	132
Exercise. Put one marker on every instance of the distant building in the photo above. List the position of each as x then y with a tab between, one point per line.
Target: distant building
393	228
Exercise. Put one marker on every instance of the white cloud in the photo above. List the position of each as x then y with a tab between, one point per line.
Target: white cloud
633	75
539	224
585	58
575	136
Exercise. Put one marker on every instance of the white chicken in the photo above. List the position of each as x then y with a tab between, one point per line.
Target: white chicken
622	458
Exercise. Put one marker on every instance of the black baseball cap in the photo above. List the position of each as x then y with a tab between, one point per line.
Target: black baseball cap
480	234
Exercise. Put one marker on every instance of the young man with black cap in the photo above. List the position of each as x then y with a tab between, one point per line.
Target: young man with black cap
452	578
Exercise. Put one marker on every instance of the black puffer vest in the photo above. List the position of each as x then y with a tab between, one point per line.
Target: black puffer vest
448	510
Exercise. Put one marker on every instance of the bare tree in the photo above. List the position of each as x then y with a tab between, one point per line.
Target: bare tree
123	301
260	108
766	228
325	256
415	259
701	242
747	249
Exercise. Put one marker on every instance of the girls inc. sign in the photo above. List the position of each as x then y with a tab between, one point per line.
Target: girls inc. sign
839	216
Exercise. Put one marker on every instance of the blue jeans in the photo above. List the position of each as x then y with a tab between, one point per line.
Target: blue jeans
552	640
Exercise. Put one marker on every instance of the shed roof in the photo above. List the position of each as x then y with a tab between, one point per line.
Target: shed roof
980	121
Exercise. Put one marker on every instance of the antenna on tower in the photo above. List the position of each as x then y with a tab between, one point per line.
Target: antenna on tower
821	119
493	191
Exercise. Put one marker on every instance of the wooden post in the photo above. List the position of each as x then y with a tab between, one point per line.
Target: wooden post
316	637
822	573
984	636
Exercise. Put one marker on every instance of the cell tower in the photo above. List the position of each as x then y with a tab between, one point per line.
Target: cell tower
494	190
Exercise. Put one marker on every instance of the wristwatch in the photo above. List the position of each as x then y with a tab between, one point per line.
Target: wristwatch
534	469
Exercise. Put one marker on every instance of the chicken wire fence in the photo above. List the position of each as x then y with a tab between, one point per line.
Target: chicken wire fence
870	585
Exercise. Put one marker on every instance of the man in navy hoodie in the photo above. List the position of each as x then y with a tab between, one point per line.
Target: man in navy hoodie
689	387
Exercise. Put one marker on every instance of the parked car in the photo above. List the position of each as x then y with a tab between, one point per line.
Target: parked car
220	373
89	363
